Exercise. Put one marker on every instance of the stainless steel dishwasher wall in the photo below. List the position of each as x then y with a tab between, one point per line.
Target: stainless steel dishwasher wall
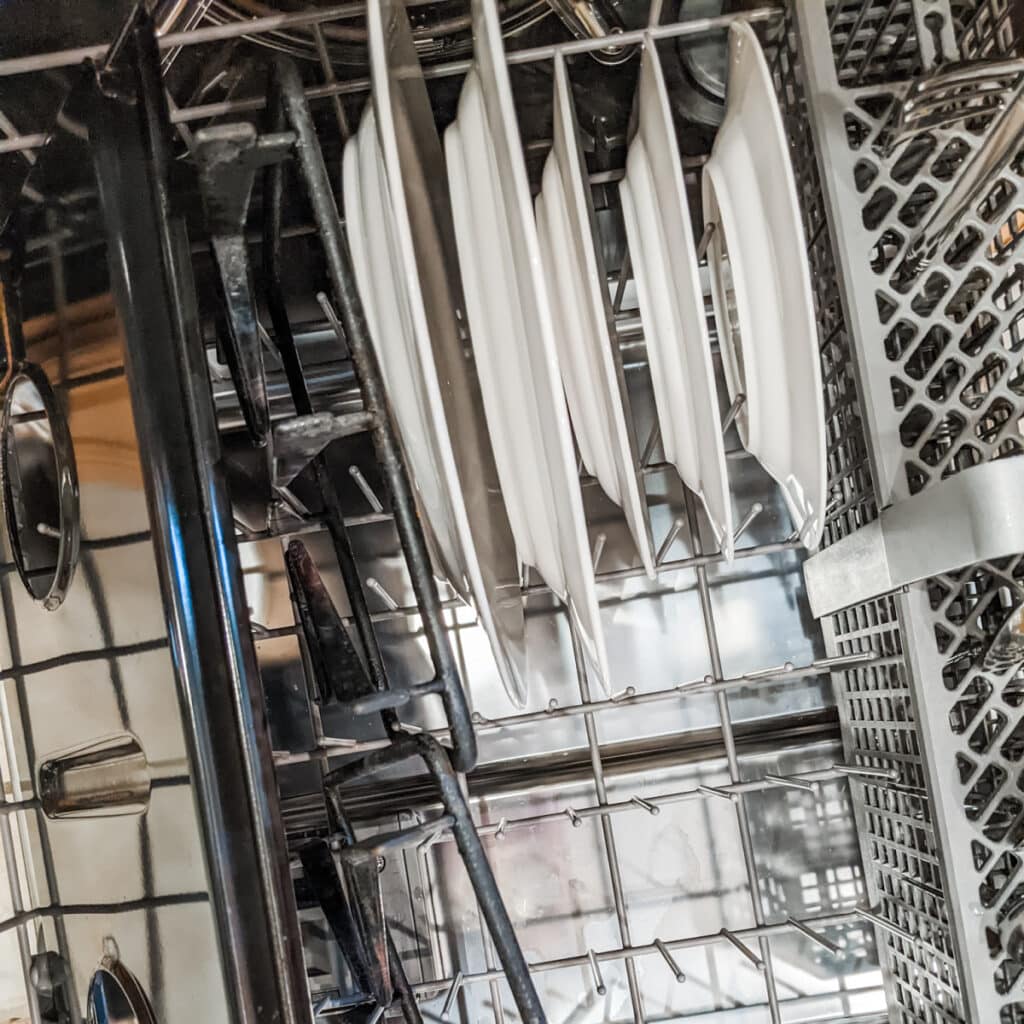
84	888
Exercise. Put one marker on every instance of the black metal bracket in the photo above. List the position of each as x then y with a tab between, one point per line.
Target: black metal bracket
228	157
288	108
336	668
301	439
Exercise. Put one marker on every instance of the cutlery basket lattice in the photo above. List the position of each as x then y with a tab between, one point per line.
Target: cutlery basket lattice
923	378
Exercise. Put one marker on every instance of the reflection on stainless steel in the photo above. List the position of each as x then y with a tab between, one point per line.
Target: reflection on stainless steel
954	92
37	467
100	778
595	19
116	997
40	487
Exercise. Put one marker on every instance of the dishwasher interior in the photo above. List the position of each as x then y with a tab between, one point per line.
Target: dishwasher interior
259	761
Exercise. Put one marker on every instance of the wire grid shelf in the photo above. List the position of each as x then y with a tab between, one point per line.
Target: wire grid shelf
930	385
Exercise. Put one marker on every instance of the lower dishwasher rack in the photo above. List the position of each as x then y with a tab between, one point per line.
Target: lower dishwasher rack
771	820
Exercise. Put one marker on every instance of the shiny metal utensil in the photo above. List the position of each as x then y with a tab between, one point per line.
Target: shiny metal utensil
1004	139
949	95
1006	651
101	778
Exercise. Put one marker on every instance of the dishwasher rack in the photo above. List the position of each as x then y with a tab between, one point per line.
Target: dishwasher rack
931	851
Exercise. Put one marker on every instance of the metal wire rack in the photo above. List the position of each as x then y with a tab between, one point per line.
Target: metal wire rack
879	656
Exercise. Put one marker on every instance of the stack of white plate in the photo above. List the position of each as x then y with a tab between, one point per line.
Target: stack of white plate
660	239
512	331
541	327
591	368
407	274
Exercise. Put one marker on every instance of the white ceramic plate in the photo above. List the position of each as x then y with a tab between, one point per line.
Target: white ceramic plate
513	336
592	375
385	298
383	257
664	255
761	287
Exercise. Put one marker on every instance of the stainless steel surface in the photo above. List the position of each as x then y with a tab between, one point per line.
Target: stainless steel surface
709	819
109	776
594	19
97	667
972	517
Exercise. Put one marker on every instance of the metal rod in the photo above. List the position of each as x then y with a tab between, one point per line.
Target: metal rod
698	686
449	999
652	441
352	328
599	544
746	843
576	816
670	538
669	959
790	783
375	585
872	917
724	794
839	659
705	240
752	513
861	772
730	416
330	79
429	988
595	972
744	949
765	673
810	933
610	848
696	26
625	272
363	484
650	808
